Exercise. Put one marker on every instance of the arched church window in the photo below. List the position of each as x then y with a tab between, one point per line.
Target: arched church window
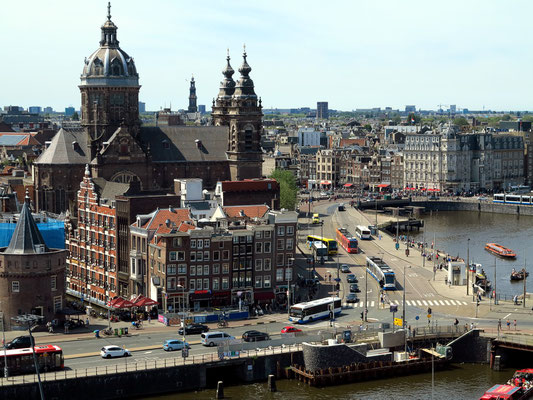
123	148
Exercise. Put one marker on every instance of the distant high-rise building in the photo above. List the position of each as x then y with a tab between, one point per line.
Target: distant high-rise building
453	108
34	110
142	107
192	97
69	111
201	108
322	110
409	109
48	110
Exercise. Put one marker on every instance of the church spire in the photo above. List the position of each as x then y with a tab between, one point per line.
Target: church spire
109	31
192	97
245	86
227	86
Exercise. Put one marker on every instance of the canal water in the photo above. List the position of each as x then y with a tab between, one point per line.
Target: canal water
462	382
452	229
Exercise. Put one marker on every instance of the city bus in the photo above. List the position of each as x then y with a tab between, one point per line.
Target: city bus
315	309
363	232
20	361
347	241
376	267
331	243
320	249
316	219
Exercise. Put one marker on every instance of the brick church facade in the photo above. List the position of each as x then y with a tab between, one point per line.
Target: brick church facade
118	148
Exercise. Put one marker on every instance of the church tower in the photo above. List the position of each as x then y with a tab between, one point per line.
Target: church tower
109	90
192	97
238	106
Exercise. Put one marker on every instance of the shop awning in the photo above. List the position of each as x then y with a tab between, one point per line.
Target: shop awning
348	184
325	182
383	185
433	190
263	295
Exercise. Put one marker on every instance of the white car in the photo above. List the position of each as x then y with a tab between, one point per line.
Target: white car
114	351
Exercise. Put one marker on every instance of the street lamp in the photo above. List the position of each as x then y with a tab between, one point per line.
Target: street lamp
30	320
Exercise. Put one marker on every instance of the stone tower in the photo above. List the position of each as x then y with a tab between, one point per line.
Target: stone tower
192	97
238	106
109	90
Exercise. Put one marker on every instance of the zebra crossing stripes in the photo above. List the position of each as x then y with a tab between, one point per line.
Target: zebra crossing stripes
425	302
419	302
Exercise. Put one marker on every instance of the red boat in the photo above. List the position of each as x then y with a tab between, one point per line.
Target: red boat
499	250
519	387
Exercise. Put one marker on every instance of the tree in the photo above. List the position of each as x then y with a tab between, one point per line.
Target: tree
75	116
287	188
368	127
460	121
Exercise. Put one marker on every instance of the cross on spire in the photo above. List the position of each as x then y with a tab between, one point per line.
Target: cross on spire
109	11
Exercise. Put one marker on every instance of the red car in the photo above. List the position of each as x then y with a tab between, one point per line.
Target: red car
290	329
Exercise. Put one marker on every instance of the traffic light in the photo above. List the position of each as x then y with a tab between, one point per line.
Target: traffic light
429	310
381	283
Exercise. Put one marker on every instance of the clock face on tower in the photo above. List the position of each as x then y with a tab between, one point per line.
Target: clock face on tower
124	177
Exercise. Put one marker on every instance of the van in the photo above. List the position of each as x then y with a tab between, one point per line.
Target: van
316	219
214	338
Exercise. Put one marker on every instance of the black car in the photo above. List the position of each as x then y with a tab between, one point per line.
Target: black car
351	278
351	298
255	336
20	342
193	329
354	288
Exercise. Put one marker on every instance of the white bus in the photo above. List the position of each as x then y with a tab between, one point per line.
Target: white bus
316	309
363	232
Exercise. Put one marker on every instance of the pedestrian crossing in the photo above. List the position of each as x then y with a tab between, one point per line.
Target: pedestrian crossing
412	303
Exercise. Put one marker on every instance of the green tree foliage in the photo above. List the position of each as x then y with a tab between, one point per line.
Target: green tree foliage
287	187
368	127
460	121
75	116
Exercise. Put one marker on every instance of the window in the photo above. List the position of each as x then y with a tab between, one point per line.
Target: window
176	242
258	234
290	260
171	283
171	269
180	255
258	247
225	268
192	284
172	256
193	270
15	286
206	269
182	269
279	260
216	269
290	230
266	281
225	255
281	244
268	234
200	243
258	265
216	284
279	275
199	270
199	256
281	230
54	282
267	247
207	243
58	303
225	283
216	255
193	256
267	262
258	281
193	243
249	238
159	252
288	274
198	284
206	255
289	244
221	245
206	284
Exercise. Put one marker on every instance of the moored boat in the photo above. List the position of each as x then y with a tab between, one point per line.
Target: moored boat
500	250
519	387
519	275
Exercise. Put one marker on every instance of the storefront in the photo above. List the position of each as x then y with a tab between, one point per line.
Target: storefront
263	298
241	298
200	299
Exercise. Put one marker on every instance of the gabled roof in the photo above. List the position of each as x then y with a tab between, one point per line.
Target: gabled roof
62	151
108	189
178	143
26	238
258	211
176	216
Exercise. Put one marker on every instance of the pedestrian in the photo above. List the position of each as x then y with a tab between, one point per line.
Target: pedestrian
149	319
87	323
514	323
50	327
499	324
66	327
471	325
508	324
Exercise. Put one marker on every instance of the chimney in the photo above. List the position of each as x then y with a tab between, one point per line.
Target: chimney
75	145
198	143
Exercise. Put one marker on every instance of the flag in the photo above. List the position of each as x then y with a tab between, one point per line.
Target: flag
412	120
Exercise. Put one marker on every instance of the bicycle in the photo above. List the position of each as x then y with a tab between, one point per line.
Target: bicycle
222	323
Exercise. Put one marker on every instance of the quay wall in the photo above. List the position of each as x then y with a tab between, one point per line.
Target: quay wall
480	206
149	382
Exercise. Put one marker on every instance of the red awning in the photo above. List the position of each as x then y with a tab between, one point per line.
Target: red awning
348	184
383	185
325	183
143	301
120	302
434	190
424	189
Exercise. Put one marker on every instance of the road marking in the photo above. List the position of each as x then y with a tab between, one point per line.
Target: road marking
507	316
431	303
442	302
452	302
147	352
408	302
465	303
396	302
425	302
419	302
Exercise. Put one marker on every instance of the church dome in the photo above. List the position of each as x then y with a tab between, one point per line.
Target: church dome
109	65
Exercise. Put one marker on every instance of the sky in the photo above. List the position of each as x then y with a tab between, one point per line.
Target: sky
353	54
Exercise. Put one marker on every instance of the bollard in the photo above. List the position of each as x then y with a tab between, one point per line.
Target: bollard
272	383
497	363
220	390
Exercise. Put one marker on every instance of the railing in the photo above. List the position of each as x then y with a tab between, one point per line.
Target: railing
132	366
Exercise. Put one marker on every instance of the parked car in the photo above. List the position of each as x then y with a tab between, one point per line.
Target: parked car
345	268
193	329
175	344
255	336
351	298
114	351
20	342
351	278
214	338
290	329
354	288
341	207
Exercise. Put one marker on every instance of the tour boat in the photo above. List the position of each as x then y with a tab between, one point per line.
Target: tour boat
499	250
518	275
519	387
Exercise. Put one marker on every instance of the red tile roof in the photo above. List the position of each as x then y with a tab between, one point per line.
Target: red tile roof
249	185
176	217
258	211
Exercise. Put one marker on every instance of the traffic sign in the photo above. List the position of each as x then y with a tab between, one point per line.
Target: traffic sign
398	321
417	317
